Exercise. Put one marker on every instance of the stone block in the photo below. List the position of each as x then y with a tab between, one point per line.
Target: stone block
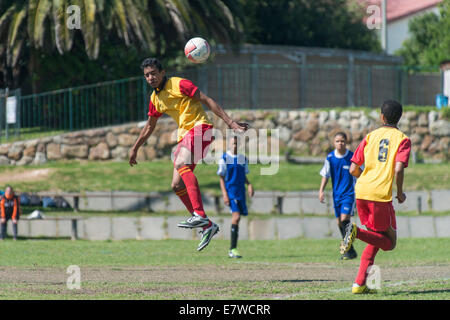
98	228
422	227
262	229
289	228
316	228
262	202
43	228
152	228
175	232
124	228
403	227
440	200
442	227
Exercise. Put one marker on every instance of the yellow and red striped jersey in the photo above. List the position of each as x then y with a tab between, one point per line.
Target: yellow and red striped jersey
379	151
176	100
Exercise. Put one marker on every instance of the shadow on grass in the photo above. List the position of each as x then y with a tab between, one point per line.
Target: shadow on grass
21	238
305	280
434	291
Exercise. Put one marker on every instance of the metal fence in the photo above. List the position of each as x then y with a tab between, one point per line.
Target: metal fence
232	86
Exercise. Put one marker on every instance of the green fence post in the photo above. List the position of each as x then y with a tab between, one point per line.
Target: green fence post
254	82
18	113
351	82
6	120
2	101
369	86
70	110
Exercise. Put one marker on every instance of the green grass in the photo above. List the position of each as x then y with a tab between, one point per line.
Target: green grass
287	259
74	176
29	134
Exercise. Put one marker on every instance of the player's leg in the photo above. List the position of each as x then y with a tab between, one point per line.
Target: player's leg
377	216
235	218
337	214
344	222
367	260
3	230
180	190
14	227
383	217
347	209
380	227
193	147
237	208
182	166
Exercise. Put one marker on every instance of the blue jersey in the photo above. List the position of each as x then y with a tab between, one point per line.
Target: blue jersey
234	168
337	168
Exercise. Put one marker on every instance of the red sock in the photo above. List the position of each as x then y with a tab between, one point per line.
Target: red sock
367	259
374	238
184	197
193	190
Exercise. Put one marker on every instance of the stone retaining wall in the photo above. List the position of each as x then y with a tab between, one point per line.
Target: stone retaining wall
300	133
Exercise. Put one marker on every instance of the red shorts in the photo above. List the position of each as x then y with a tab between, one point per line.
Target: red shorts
375	215
197	141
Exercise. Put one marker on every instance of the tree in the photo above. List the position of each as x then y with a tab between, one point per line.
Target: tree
318	23
30	29
429	43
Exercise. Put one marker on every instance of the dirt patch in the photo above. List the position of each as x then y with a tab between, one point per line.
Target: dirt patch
295	272
25	176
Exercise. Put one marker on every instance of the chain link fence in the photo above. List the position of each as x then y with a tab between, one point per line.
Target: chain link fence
250	86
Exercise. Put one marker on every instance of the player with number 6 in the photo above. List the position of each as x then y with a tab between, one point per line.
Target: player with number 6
384	153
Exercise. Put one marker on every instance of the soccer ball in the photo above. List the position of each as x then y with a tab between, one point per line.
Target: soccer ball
197	50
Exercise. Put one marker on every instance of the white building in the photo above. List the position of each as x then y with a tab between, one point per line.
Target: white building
398	15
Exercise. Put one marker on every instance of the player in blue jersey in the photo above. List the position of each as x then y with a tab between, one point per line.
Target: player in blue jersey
233	170
336	167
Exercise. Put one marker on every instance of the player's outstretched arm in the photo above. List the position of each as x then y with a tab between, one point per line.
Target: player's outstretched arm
399	176
143	136
214	107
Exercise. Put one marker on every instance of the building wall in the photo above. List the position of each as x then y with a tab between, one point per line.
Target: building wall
398	30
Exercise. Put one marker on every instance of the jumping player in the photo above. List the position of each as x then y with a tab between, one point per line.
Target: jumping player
182	100
233	170
384	153
336	167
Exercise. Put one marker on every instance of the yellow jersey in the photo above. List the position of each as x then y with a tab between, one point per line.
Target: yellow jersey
176	99
379	151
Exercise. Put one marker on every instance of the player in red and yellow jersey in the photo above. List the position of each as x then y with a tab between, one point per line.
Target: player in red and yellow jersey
384	153
182	100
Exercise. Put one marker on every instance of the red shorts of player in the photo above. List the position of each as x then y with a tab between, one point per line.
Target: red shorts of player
375	215
197	141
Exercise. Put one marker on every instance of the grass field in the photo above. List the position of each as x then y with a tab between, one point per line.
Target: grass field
172	269
156	176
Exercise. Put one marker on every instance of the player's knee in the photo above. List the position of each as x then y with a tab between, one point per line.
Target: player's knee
178	165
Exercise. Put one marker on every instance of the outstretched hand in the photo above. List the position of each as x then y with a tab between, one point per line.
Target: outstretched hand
239	126
401	197
132	160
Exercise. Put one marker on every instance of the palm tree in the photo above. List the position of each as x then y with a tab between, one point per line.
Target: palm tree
176	21
28	26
